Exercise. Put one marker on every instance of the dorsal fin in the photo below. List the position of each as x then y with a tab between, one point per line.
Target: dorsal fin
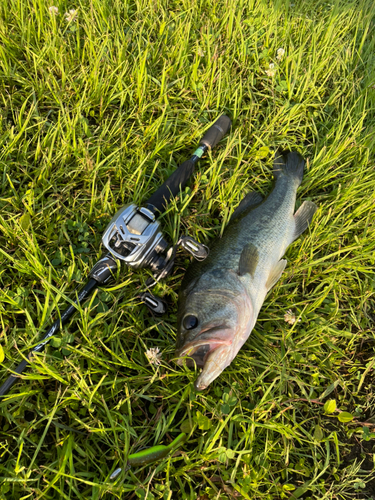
248	260
275	274
251	200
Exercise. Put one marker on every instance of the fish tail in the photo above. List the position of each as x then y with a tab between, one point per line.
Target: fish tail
291	165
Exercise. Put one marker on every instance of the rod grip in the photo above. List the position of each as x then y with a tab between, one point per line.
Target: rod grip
216	132
172	186
179	178
10	380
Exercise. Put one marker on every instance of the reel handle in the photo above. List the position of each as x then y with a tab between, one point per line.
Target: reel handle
177	181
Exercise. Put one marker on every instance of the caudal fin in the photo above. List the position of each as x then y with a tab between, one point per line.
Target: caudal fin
291	165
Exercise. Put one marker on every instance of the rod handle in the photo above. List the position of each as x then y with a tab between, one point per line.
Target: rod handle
171	187
177	181
216	132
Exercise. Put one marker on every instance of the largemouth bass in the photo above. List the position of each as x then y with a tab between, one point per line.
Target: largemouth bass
220	298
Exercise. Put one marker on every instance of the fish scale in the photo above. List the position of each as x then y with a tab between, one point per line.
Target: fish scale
224	293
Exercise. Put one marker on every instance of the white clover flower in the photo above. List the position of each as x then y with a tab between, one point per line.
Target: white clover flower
200	52
271	71
280	54
154	355
53	10
71	15
290	317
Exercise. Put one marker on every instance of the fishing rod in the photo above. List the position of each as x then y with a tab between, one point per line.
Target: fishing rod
134	237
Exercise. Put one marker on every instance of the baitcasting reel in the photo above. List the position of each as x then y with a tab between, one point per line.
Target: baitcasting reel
134	237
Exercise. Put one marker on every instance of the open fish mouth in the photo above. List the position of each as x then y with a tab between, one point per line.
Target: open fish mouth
198	351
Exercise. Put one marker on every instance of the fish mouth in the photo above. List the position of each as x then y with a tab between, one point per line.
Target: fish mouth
198	352
200	348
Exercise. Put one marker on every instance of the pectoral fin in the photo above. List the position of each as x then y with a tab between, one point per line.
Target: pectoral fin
251	200
248	260
303	217
275	274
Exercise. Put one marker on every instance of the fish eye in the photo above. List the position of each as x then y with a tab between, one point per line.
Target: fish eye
190	321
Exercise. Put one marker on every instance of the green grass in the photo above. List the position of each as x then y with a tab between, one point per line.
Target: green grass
96	113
